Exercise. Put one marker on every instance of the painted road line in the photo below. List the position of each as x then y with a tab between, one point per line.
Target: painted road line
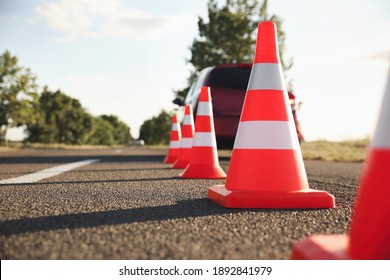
46	173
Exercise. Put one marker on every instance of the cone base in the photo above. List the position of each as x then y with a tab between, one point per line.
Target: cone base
258	199
172	155
203	171
170	159
321	247
180	164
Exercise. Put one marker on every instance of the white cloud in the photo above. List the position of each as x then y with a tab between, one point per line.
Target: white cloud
92	19
381	55
132	102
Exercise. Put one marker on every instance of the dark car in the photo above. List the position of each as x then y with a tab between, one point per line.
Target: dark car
228	84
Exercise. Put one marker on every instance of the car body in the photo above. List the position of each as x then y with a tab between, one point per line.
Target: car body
228	84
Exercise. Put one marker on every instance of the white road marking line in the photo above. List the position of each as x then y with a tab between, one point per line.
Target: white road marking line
46	173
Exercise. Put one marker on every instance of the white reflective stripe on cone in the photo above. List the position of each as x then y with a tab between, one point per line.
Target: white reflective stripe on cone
381	138
174	127
47	173
279	135
174	144
204	109
266	76
204	139
188	120
186	143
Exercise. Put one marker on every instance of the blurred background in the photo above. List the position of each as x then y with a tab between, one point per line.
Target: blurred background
98	72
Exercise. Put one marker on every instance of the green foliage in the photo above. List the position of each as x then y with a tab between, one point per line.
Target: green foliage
102	132
61	119
18	95
109	130
51	117
156	130
121	131
229	36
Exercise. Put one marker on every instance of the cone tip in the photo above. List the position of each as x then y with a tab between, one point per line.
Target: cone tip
267	50
205	94
267	24
188	110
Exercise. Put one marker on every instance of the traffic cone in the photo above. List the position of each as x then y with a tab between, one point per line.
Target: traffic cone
174	142
369	234
186	140
204	161
266	167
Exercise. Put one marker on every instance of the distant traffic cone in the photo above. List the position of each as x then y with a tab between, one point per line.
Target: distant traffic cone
266	167
369	235
186	140
174	142
204	161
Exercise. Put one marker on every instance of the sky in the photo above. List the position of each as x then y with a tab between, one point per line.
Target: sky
125	57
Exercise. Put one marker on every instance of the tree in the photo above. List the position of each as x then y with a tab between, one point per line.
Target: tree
18	94
61	119
157	129
102	132
121	132
51	117
108	130
229	36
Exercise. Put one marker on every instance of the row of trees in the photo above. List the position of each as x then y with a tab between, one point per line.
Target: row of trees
156	130
50	116
228	35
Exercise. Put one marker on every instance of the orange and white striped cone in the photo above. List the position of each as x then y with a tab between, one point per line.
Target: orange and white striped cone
204	163
174	142
266	168
369	234
187	130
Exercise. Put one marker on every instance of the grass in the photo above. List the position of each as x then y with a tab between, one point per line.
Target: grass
350	151
22	145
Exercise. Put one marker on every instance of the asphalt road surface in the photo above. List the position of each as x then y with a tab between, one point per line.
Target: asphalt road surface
130	205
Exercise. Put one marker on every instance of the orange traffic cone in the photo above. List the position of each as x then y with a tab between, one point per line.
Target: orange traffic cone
186	140
174	142
204	161
266	167
369	235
